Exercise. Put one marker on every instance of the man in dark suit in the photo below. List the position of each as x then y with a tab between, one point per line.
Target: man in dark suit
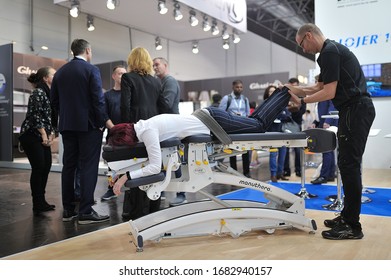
77	95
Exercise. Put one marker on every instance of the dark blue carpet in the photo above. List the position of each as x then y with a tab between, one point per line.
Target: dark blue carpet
379	205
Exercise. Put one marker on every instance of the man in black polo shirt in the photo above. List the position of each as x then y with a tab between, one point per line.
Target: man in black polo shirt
342	80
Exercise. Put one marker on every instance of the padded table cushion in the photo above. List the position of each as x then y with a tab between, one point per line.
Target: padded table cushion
111	153
145	180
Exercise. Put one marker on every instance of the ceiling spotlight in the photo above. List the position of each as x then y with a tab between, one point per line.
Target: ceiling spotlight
161	7
205	24
111	4
215	28
225	33
235	37
90	23
225	44
192	19
195	49
43	48
177	12
158	44
75	6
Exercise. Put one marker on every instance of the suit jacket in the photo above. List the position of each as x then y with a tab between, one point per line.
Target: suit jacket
141	97
171	93
76	93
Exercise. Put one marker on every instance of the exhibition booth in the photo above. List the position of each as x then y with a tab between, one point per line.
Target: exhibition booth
16	90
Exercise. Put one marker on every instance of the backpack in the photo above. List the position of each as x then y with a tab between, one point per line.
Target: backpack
228	102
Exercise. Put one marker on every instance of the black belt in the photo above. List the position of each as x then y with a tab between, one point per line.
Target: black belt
355	100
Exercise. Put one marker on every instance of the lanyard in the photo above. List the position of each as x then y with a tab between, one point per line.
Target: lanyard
238	103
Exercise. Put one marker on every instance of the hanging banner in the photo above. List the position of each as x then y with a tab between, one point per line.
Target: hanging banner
366	31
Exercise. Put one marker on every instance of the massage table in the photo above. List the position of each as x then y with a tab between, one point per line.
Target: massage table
199	159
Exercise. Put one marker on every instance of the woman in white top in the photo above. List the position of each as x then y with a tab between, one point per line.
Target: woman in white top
162	127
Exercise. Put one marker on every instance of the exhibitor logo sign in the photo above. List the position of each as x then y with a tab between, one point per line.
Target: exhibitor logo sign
25	70
236	11
257	86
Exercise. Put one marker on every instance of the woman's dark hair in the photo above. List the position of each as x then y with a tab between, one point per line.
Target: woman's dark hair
267	92
217	98
37	78
122	134
294	81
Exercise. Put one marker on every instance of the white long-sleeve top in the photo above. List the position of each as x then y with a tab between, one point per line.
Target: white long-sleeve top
160	128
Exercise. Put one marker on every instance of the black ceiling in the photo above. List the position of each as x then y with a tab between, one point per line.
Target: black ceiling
279	20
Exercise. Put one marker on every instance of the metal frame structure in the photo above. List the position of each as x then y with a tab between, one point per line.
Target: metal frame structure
199	159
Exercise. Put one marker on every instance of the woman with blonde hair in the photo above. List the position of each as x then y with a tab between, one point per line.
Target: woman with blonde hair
140	91
141	98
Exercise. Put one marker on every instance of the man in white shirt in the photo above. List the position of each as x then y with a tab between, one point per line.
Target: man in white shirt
236	103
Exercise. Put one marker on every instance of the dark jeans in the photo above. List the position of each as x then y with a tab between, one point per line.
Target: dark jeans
355	121
40	158
287	167
276	161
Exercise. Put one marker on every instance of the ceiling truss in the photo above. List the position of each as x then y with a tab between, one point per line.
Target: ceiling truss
279	20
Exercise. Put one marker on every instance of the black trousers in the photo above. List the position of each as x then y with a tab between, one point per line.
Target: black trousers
355	122
83	149
137	204
40	158
245	163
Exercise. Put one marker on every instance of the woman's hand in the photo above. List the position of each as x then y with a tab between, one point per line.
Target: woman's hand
119	183
46	142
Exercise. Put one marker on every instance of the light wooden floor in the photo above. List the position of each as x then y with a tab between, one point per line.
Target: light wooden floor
114	243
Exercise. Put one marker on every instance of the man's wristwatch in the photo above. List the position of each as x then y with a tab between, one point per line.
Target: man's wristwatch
128	175
302	101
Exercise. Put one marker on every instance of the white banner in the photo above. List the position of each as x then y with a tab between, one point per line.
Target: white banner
361	25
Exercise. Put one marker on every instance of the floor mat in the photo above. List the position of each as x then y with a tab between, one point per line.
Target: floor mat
379	205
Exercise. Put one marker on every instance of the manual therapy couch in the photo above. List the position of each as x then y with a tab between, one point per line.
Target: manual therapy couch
199	159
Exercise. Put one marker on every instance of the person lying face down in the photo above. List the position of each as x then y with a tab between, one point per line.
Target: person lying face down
162	127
